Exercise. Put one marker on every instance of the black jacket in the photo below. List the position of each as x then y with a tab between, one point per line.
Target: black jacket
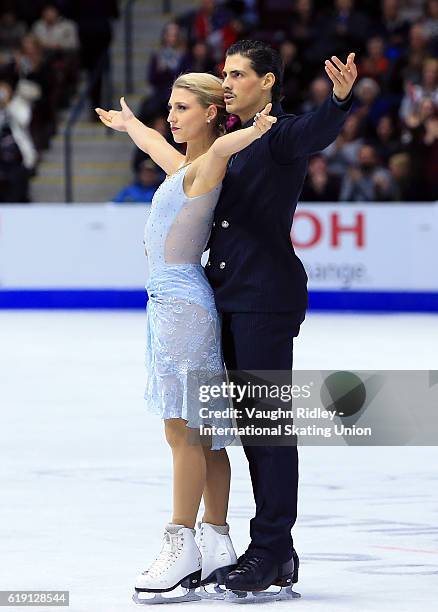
252	265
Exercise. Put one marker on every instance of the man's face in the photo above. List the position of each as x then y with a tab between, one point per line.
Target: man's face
242	85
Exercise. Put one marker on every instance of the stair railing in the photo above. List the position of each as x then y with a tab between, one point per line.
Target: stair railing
127	28
102	70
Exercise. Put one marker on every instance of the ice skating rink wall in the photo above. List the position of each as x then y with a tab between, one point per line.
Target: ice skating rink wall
378	257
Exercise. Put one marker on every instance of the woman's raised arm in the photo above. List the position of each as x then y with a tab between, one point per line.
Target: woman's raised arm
148	140
213	165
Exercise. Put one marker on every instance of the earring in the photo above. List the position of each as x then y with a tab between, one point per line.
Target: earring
208	120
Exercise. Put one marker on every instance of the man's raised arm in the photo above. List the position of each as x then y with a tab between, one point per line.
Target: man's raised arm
304	135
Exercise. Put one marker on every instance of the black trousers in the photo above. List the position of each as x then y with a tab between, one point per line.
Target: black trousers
264	341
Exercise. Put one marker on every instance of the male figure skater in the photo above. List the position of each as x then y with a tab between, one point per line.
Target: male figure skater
259	282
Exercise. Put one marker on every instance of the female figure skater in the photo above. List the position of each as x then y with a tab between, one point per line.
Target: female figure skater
183	327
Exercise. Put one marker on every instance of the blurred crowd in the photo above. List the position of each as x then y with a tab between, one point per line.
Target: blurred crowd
388	148
43	46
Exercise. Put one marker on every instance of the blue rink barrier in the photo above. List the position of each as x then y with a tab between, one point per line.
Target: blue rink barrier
128	299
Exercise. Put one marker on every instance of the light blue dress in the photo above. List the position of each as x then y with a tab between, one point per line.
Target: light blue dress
183	339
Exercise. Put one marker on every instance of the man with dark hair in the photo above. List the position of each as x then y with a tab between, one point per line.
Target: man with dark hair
259	282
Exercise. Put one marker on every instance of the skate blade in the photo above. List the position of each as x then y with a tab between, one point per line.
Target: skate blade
219	593
159	598
258	597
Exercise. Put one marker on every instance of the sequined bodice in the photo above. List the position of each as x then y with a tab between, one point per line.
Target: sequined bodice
178	227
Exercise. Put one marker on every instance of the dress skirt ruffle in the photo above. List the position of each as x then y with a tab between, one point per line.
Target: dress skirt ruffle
183	351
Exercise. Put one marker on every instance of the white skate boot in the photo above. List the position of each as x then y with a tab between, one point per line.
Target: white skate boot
179	563
218	558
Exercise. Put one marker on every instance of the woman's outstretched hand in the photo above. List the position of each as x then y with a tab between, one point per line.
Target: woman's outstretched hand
118	120
263	120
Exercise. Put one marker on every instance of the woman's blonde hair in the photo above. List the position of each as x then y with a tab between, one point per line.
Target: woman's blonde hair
208	89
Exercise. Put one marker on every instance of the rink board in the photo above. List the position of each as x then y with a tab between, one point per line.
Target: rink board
358	257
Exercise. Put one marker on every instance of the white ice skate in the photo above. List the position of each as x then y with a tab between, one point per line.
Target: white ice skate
178	564
218	558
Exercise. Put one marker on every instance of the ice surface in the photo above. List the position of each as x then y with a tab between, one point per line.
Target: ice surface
86	480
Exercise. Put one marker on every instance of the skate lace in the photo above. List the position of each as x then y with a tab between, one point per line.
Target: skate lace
250	563
172	545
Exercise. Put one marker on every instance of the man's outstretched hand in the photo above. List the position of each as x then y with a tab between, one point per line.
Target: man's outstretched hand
341	75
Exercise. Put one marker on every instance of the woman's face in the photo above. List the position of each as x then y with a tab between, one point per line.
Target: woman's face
187	118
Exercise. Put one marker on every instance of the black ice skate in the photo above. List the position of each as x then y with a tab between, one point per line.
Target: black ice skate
254	575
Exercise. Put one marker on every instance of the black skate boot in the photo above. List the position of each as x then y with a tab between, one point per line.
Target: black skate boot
255	574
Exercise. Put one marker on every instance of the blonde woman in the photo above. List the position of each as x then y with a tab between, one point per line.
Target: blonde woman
183	327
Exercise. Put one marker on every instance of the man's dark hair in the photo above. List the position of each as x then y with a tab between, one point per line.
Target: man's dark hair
263	58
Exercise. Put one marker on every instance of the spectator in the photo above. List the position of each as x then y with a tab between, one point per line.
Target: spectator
370	105
411	10
428	151
245	11
164	63
209	19
27	11
417	53
405	187
303	30
17	152
59	39
198	59
225	37
345	29
375	65
393	28
420	137
387	138
367	181
33	66
319	185
54	32
95	33
292	77
319	91
11	32
428	88
218	24
147	181
343	152
430	24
